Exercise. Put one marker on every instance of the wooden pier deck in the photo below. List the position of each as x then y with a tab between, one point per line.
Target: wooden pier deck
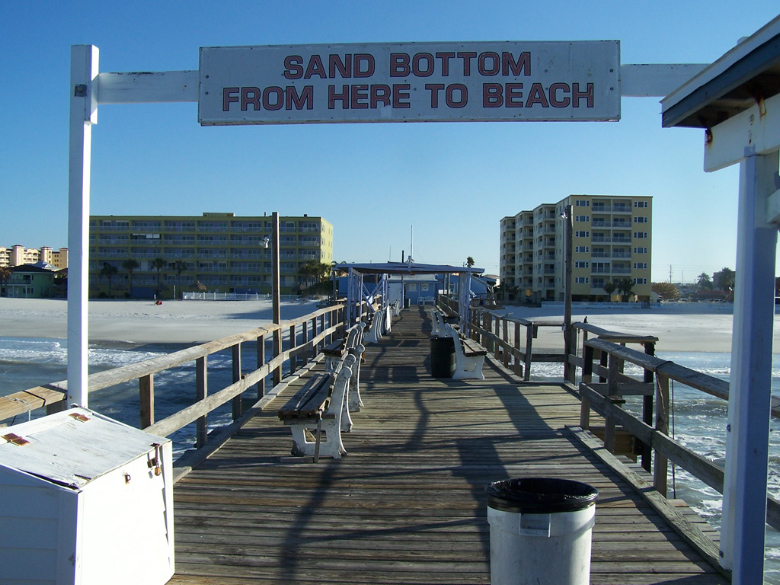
407	504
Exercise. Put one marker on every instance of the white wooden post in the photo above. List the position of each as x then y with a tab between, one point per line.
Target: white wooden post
83	113
747	437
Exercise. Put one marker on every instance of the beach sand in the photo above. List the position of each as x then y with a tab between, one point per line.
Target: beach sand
141	321
705	327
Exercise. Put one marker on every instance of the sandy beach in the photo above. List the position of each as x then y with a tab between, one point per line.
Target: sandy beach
141	321
705	327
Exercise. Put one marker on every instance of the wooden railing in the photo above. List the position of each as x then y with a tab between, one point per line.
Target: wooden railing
604	385
305	337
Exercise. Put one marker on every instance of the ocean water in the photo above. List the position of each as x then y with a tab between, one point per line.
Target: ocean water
26	363
698	420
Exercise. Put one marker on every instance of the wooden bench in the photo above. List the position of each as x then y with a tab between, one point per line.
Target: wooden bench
469	355
376	328
318	408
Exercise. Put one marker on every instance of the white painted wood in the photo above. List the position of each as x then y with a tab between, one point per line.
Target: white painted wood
83	113
83	503
466	367
147	87
653	80
747	437
754	131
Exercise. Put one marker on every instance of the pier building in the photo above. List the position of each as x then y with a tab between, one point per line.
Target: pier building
611	242
218	252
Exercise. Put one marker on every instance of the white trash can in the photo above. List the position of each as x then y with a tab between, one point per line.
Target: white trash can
540	531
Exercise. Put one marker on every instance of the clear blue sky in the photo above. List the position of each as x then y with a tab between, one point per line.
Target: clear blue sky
452	182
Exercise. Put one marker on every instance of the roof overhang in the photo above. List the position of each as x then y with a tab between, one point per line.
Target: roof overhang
407	268
747	75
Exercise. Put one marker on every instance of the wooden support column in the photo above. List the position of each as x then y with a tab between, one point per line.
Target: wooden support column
529	342
661	463
612	389
260	363
238	407
587	378
647	410
201	391
293	345
146	398
83	113
518	369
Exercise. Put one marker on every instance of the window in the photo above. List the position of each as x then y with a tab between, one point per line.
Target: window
583	249
582	280
640	203
582	203
640	265
640	250
640	235
581	264
640	281
640	219
582	234
582	218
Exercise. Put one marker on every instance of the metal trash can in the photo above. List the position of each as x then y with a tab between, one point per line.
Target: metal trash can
540	531
442	357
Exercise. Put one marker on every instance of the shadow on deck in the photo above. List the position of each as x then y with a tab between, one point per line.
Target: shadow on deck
407	504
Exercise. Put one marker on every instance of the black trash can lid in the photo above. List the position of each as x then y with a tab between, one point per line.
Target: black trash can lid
540	495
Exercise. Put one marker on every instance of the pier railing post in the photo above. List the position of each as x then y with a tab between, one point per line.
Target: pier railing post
529	341
587	378
612	390
237	400
647	409
505	339
518	364
201	390
661	463
293	345
146	398
260	364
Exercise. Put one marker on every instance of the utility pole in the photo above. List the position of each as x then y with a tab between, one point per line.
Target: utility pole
670	274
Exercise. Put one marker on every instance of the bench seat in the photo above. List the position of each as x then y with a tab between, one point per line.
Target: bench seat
309	402
469	355
319	407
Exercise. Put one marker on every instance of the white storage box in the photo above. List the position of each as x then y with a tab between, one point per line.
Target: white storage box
85	500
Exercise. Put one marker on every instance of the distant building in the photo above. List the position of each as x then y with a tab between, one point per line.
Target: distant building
31	281
19	255
611	241
218	252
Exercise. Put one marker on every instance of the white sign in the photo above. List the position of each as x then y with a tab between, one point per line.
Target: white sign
411	82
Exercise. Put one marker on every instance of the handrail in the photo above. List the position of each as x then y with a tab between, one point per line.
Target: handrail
52	395
603	357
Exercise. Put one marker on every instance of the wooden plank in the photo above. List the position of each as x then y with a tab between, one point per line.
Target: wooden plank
407	505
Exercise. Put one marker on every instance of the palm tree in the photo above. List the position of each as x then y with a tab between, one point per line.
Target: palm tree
131	265
108	271
703	281
469	262
158	264
5	274
609	288
626	288
179	266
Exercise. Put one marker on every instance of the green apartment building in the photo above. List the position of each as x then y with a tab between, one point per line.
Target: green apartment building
218	252
611	241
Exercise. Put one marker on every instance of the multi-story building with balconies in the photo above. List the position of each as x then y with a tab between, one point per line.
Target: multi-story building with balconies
218	251
611	242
